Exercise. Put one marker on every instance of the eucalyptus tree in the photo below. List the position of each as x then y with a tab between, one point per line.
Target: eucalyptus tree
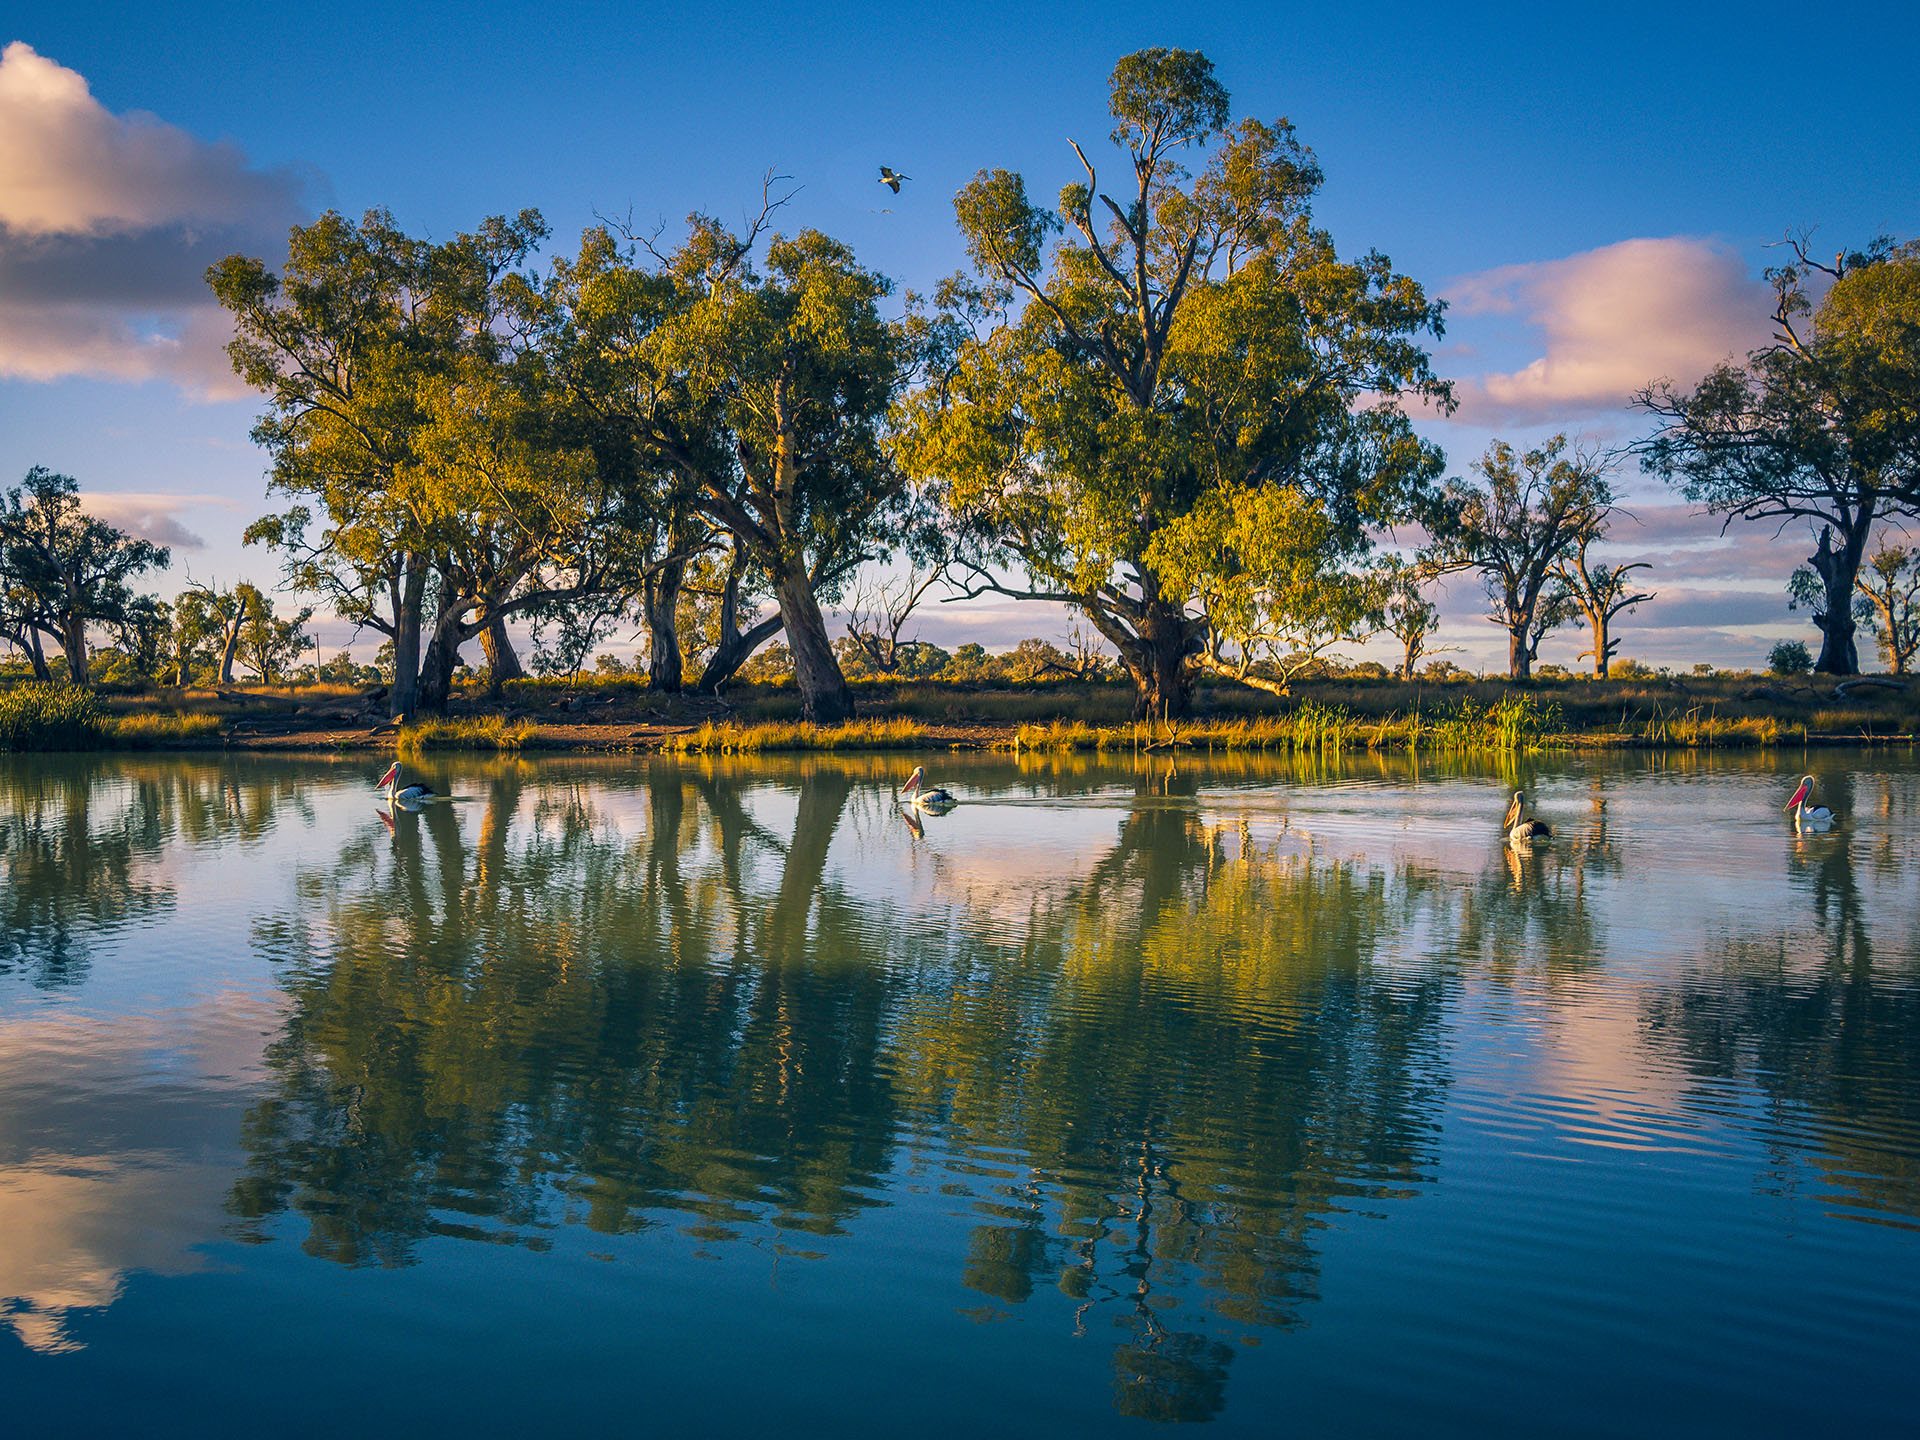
346	345
1886	600
1516	529
1822	425
1890	584
1600	592
523	518
270	643
760	377
207	626
62	569
1405	611
1112	413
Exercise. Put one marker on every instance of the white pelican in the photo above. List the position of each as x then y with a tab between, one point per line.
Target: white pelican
1808	818
936	800
892	178
1523	831
398	794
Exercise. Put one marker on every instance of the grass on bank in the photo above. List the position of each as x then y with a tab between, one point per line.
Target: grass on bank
733	738
468	732
50	717
1516	722
152	729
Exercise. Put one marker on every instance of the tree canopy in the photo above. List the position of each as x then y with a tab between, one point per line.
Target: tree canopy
1534	509
760	378
1188	359
1820	426
62	570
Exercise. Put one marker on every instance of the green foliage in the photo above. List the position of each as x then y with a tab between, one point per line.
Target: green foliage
1889	597
1822	426
1123	417
49	717
1789	657
1532	511
760	383
62	570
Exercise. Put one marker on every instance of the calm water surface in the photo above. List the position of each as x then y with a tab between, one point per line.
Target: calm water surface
713	1098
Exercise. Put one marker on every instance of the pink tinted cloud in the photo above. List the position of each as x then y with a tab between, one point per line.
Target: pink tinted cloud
1610	321
107	226
154	517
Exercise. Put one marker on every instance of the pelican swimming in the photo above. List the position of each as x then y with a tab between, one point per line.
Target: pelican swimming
935	800
1808	818
398	794
1523	831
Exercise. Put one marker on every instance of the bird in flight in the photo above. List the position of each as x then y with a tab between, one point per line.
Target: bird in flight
891	178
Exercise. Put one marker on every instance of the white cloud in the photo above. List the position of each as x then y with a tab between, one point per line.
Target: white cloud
107	226
1611	320
154	517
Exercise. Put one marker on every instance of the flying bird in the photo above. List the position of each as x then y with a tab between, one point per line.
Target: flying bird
891	178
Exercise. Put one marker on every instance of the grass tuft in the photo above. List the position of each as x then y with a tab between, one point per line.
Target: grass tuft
49	717
151	728
478	732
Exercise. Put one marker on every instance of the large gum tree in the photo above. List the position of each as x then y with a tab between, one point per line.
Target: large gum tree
349	344
1821	426
1129	382
760	377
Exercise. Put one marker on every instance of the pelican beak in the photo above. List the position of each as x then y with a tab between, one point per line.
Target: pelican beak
1798	795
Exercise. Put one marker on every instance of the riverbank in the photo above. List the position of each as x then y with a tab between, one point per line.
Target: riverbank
1328	715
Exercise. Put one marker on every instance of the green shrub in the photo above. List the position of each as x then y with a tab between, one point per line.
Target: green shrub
49	717
1789	657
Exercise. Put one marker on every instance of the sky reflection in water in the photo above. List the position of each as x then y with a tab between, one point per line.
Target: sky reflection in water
719	1096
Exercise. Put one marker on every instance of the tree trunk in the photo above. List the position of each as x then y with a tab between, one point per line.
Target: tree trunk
437	664
1602	645
734	651
37	654
1519	652
502	664
825	698
735	648
404	697
73	642
1162	680
229	648
666	665
1839	570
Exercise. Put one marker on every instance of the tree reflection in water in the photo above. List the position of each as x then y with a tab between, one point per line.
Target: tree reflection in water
1158	1084
1820	1019
82	837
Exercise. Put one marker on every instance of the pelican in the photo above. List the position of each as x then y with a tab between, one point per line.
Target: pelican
1523	831
891	178
1808	819
936	801
398	794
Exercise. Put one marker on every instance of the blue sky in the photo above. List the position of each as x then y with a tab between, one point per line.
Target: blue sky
1595	191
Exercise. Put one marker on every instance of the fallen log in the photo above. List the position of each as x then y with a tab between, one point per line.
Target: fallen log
1866	682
